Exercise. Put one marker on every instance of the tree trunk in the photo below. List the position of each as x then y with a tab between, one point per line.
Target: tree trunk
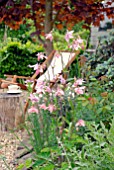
48	25
11	111
5	33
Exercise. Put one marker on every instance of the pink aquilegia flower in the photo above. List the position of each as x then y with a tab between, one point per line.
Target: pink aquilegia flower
80	123
39	90
79	90
43	106
33	98
33	110
51	108
75	45
49	36
36	66
40	56
78	82
59	92
48	89
40	69
40	86
40	83
62	80
68	35
79	40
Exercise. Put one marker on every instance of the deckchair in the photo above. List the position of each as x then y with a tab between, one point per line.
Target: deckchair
58	66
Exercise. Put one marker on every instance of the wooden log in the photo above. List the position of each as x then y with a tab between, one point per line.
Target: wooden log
11	111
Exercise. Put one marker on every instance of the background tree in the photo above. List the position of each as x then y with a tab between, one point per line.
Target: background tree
49	14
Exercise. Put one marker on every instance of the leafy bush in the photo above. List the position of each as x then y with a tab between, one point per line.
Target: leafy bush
97	107
15	58
101	64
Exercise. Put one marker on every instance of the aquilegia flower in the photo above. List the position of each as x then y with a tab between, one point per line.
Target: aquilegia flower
62	80
59	92
79	90
48	89
40	69
36	66
51	108
75	45
80	122
33	110
79	40
43	106
40	56
49	36
33	98
68	35
78	82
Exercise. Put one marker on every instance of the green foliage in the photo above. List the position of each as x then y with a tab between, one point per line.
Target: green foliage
22	34
98	152
75	69
40	126
101	65
15	58
93	151
96	105
78	27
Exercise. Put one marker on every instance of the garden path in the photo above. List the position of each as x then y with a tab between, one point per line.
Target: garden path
8	145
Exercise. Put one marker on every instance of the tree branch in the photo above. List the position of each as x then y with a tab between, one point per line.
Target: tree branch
35	24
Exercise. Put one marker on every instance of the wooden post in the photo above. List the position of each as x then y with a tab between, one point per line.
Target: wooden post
11	111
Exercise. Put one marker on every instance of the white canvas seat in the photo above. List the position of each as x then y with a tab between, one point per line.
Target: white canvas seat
57	65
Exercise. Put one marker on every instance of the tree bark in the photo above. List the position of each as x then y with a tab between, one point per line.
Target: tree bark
48	25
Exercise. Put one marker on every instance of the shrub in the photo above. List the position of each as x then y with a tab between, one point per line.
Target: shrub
101	64
15	58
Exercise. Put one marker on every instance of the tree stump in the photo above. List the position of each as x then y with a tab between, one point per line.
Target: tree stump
11	111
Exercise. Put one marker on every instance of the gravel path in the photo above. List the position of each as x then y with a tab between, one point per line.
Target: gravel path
8	145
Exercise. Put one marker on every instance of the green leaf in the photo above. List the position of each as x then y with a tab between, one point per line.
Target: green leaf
45	149
111	133
48	167
81	98
20	167
38	163
107	107
28	163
